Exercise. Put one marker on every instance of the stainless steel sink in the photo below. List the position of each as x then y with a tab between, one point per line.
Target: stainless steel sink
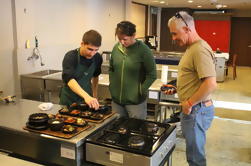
42	74
45	72
34	86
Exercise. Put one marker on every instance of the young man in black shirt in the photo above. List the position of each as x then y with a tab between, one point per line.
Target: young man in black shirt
81	68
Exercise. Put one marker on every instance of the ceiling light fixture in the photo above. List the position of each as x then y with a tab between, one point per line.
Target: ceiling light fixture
162	2
218	6
190	1
199	6
213	1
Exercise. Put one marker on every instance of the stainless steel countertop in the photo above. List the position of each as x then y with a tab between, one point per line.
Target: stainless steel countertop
158	66
55	76
104	80
15	115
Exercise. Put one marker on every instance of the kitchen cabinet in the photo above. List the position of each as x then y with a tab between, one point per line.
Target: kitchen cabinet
33	88
42	86
53	88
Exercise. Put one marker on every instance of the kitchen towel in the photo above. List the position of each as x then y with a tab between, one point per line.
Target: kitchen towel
45	106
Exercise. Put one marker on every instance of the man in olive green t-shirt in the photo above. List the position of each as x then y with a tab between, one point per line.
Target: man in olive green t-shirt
196	81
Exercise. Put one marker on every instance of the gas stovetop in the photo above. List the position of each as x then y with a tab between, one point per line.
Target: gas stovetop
133	135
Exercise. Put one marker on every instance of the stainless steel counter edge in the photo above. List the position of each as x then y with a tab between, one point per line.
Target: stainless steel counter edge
52	75
55	76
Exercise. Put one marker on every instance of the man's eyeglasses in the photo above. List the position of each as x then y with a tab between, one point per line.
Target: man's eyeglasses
177	15
91	49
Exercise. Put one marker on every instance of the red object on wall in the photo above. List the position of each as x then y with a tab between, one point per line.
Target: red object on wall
216	33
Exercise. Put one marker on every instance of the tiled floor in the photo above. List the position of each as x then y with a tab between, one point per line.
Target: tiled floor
238	90
233	97
228	140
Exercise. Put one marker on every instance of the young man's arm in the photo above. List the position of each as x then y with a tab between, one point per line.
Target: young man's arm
90	101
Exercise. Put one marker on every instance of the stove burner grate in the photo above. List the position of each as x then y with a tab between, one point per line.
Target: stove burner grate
136	141
151	127
122	130
111	138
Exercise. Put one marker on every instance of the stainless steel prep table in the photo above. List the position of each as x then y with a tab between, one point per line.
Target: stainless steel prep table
154	93
104	84
45	148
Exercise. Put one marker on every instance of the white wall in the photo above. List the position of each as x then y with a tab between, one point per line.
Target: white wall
6	49
58	25
138	18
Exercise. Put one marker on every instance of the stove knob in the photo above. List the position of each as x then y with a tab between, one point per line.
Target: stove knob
162	155
169	143
166	149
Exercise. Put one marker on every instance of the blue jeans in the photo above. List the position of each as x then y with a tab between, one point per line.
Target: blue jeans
138	111
194	127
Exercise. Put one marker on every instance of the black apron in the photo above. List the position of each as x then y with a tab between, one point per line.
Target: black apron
67	96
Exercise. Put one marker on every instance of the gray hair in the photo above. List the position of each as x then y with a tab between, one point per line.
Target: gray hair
186	20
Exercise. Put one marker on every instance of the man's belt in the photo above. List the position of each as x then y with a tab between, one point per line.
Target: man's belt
205	103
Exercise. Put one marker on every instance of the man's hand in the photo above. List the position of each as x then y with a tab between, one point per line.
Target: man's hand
207	87
168	89
92	102
186	107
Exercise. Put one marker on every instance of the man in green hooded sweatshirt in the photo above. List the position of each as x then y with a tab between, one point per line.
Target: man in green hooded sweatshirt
132	71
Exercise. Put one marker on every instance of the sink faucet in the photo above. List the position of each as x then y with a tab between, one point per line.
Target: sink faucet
36	53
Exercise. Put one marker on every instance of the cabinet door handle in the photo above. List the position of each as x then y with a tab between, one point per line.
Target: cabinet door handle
49	96
41	96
